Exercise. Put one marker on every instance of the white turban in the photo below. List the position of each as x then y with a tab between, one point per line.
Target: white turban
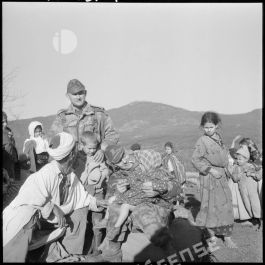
61	145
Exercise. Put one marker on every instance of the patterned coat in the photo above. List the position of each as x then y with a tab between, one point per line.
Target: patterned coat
216	199
135	196
178	167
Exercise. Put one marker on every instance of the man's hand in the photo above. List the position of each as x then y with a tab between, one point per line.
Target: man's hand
102	203
122	185
60	215
99	156
148	189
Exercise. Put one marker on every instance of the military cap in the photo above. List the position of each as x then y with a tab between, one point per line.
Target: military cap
114	153
74	86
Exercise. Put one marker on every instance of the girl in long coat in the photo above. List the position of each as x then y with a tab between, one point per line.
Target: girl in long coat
210	158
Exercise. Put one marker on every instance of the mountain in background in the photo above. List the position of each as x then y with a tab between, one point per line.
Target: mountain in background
153	124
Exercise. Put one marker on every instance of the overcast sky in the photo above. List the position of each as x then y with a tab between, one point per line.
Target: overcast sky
194	56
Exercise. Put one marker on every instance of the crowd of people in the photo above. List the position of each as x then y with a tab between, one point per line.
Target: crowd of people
80	167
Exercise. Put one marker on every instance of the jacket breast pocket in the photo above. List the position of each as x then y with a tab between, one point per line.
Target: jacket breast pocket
71	127
90	124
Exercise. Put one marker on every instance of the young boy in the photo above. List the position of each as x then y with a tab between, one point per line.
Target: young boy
95	173
247	177
94	179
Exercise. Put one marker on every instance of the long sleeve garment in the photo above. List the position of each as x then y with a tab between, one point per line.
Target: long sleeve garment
216	198
91	118
173	164
41	191
248	187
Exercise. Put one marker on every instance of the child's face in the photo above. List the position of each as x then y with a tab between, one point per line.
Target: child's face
241	160
210	128
168	150
90	148
37	131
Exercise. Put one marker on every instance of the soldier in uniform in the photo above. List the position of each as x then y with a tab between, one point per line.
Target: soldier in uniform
76	119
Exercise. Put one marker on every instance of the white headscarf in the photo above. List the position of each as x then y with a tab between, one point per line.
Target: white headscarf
65	147
32	127
41	143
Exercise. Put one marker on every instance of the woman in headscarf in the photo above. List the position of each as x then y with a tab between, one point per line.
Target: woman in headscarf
36	147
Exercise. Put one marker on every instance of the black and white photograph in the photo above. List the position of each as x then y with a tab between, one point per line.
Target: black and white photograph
107	103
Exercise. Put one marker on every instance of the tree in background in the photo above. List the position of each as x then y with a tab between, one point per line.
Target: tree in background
11	96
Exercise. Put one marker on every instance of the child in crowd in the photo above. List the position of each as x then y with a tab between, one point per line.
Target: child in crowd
210	158
36	147
239	209
175	167
255	158
95	173
246	175
94	179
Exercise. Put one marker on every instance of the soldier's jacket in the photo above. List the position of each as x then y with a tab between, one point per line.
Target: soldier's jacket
92	118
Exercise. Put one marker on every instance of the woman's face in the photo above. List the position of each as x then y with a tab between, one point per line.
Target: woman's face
126	162
168	150
210	128
38	131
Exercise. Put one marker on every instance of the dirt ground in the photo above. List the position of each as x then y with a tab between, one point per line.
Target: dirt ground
248	240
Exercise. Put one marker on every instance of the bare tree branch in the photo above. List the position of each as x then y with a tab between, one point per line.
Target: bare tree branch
11	96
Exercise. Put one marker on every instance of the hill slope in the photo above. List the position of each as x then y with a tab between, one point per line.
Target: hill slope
152	124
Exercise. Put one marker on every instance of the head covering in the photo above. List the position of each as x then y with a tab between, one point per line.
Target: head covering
61	145
32	127
74	86
169	144
4	116
243	150
136	146
114	153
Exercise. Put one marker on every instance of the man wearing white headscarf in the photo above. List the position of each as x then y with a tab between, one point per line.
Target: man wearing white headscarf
53	195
